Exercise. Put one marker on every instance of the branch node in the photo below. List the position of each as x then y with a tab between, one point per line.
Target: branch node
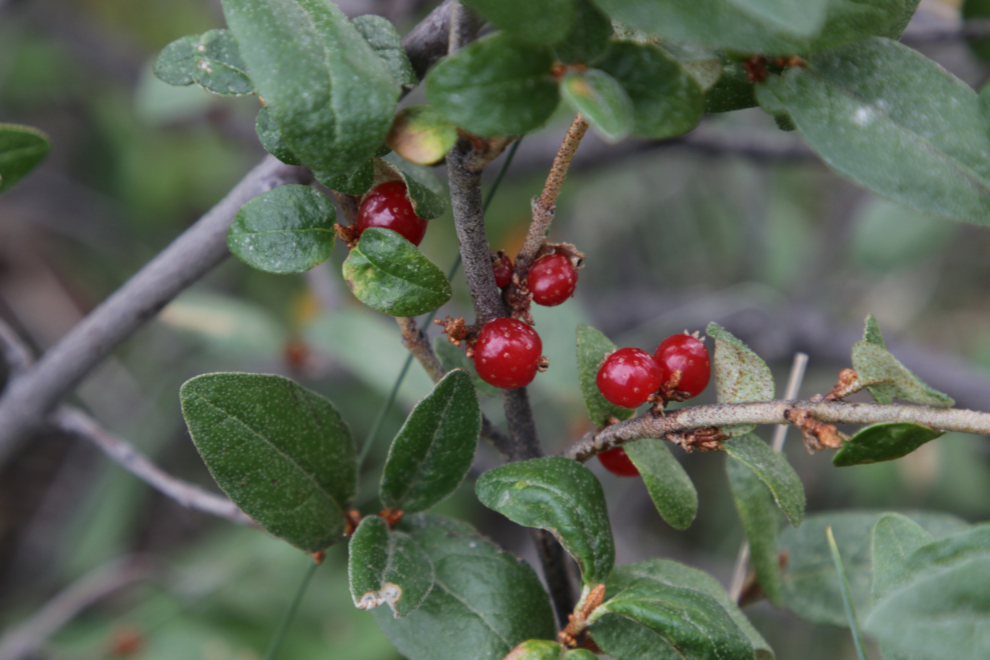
848	384
817	435
704	439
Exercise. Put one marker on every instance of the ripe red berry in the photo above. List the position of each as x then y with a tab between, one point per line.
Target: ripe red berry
388	207
618	462
507	353
628	377
689	355
503	271
552	280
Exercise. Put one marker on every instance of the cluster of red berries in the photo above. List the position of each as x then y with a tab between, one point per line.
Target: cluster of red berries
388	206
629	377
551	280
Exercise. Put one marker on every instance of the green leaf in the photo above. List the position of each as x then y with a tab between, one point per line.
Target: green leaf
588	37
452	357
541	23
811	585
669	485
212	60
703	64
942	605
886	377
536	649
667	100
495	86
271	138
422	135
288	229
895	538
561	496
427	194
385	41
387	567
732	91
630	641
895	122
883	442
688	621
977	10
484	601
21	149
279	451
601	100
387	273
435	447
327	89
592	348
580	654
761	523
355	181
740	374
773	470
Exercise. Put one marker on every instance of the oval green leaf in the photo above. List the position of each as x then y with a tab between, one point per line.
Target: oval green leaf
667	100
484	603
22	148
387	567
761	523
385	41
670	487
562	497
427	194
211	60
355	181
740	374
773	470
895	122
601	100
435	447
495	86
280	452
327	89
592	348
288	229
387	273
536	649
588	37
883	442
542	23
271	138
895	538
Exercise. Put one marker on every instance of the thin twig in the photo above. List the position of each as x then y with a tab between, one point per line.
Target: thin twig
427	42
121	452
774	412
16	353
779	435
27	638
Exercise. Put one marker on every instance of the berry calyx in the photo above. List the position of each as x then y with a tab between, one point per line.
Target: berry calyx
687	354
628	377
387	206
552	280
502	266
618	462
507	353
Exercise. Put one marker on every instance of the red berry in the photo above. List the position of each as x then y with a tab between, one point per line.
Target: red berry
618	462
552	280
507	353
388	207
503	271
628	377
688	355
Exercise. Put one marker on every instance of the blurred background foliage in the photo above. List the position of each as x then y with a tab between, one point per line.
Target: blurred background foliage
736	223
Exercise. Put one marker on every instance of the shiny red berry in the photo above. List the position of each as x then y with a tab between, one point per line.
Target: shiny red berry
618	462
552	280
507	353
688	355
503	271
388	207
628	377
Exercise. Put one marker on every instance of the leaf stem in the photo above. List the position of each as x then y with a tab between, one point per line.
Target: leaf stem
846	598
290	614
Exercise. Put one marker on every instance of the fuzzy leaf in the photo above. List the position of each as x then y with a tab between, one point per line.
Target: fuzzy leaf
536	649
427	194
740	374
279	451
895	538
886	441
271	138
773	470
561	496
588	37
387	567
422	135
484	602
601	100
592	348
761	523
387	273
670	487
541	23
288	229
355	181
326	88
452	357
495	86
385	41
22	148
212	60
435	447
